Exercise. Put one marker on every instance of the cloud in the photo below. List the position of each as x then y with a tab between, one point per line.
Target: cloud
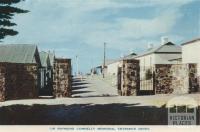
130	32
63	21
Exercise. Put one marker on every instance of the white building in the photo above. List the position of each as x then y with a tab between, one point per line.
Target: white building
165	53
191	53
112	66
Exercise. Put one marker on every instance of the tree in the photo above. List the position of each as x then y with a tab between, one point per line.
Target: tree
7	11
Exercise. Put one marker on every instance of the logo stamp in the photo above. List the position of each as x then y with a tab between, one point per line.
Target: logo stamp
182	111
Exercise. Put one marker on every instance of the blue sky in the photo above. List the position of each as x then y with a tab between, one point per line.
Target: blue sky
80	27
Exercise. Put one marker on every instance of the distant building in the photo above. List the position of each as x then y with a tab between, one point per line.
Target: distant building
112	65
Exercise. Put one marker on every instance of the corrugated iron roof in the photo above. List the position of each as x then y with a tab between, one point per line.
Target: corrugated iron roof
52	58
47	58
44	58
18	53
111	61
165	48
191	41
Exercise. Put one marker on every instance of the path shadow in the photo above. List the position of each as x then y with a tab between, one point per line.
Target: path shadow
80	87
79	83
90	96
79	92
78	79
83	114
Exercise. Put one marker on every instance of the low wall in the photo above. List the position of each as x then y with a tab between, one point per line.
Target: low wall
175	78
62	78
18	81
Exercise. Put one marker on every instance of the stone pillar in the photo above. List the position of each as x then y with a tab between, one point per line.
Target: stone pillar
129	77
163	79
62	78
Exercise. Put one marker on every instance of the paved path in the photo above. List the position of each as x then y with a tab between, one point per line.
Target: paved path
92	87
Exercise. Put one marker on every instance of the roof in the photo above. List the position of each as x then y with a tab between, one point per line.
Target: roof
176	58
165	48
130	56
191	41
111	61
18	53
44	58
52	58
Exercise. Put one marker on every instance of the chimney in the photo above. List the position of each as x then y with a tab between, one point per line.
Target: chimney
150	46
164	40
122	55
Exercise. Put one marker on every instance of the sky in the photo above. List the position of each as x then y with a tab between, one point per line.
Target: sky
80	27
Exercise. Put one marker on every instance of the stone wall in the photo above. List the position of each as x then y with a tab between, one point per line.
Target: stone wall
129	74
179	78
62	78
18	81
175	78
2	82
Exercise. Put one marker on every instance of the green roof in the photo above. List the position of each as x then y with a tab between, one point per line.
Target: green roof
44	58
18	53
165	48
51	57
47	59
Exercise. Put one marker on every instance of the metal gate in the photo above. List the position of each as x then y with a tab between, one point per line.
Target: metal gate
119	82
147	81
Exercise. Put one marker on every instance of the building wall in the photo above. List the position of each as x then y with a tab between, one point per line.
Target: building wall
112	68
62	78
164	58
128	78
191	54
152	59
19	81
148	62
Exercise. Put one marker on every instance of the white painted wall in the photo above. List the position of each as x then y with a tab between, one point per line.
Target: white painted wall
151	59
148	61
191	54
164	58
113	67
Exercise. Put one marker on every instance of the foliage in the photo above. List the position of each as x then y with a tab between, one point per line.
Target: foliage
7	11
148	74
